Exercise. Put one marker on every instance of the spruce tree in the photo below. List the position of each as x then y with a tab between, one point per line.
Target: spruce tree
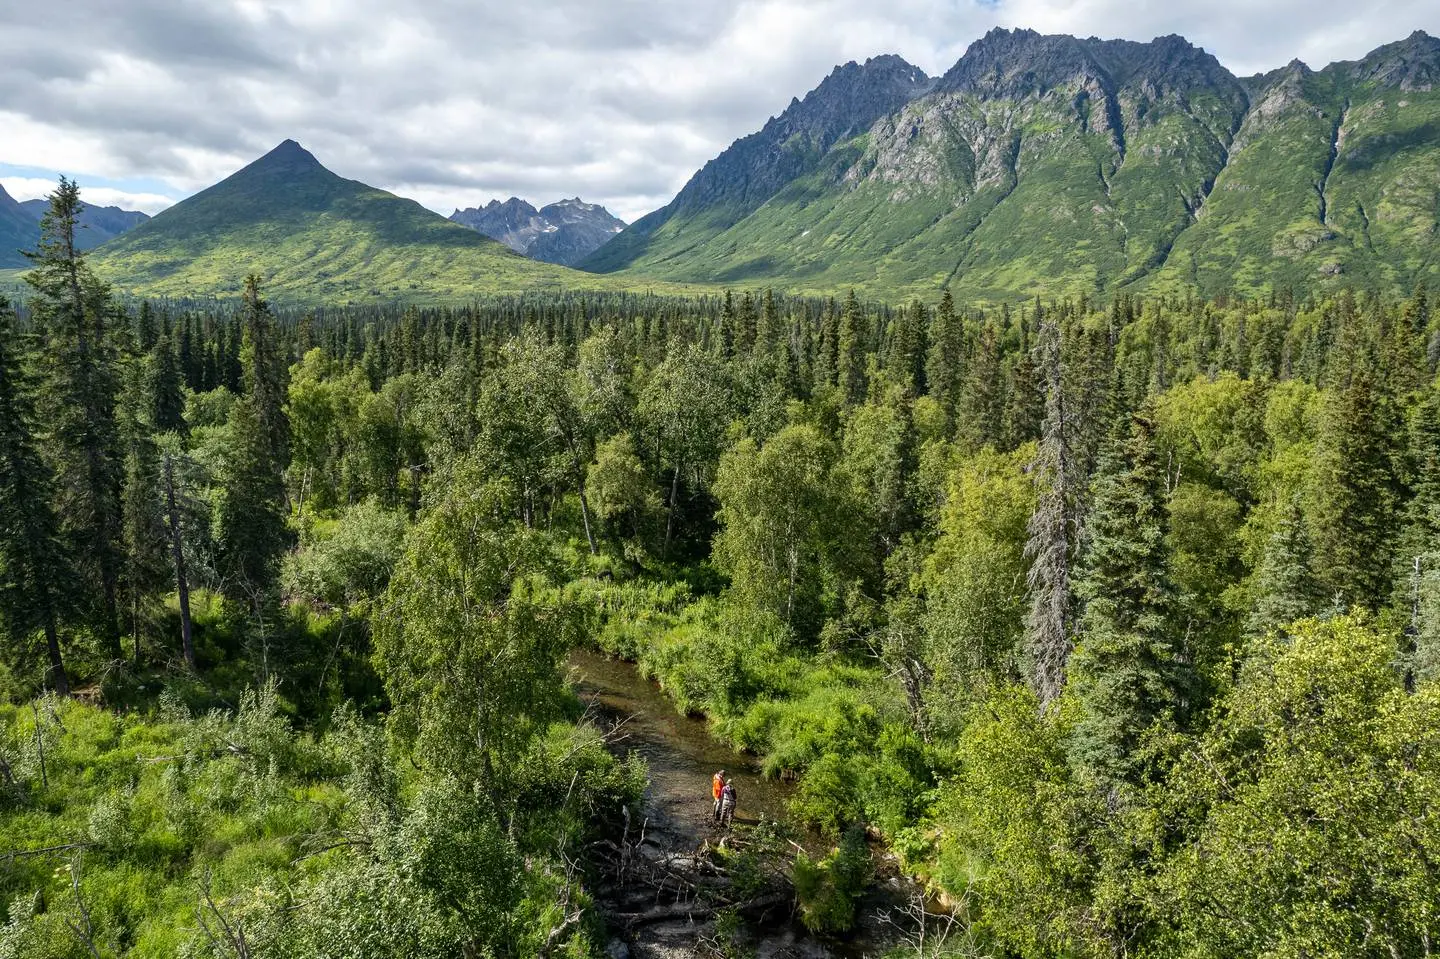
1285	588
980	411
250	520
265	371
144	568
1051	532
146	332
944	359
725	332
1024	399
77	320
746	325
905	361
772	333
1128	673
1352	511
850	351
181	515
35	576
166	395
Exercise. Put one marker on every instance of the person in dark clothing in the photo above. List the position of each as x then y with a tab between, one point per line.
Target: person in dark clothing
728	799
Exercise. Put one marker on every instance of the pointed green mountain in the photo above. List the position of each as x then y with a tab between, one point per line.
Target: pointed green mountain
315	236
1051	165
17	232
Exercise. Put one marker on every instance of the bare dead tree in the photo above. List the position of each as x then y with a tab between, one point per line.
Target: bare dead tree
221	933
83	930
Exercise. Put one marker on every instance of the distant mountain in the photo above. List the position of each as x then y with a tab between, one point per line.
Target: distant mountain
314	235
97	223
564	232
1051	165
756	167
17	232
20	227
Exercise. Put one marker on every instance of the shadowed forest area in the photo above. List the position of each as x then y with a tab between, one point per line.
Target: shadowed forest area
1116	624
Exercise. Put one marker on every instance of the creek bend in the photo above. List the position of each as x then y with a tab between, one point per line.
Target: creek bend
681	756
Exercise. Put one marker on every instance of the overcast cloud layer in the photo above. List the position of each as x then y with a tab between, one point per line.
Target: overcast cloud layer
453	103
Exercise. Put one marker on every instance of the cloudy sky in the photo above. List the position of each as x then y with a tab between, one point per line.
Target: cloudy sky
453	102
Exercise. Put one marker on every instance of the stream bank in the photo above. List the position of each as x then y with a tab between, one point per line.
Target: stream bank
652	913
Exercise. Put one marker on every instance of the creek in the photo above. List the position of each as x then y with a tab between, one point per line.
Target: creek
676	821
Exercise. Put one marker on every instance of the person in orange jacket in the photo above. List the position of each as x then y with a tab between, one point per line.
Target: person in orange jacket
717	789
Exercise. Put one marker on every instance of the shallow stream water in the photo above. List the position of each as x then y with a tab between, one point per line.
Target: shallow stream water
682	755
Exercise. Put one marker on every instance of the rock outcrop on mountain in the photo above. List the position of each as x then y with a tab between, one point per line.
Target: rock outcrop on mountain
1055	165
564	232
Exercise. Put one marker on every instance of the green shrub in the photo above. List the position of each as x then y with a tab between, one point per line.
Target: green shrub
827	891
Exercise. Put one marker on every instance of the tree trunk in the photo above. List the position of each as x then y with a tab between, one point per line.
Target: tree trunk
670	517
580	487
177	556
58	677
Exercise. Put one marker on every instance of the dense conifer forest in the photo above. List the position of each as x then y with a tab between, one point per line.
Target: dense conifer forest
1116	624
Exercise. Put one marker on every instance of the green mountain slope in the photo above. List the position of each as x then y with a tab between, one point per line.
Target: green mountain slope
17	232
1049	166
1334	178
314	235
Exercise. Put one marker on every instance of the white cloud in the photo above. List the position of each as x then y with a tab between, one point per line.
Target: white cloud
454	102
37	188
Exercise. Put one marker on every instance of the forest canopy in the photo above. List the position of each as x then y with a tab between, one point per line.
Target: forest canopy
1118	622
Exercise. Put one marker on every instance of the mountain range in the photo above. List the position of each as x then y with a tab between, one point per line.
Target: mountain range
1053	165
564	232
314	235
1035	166
20	227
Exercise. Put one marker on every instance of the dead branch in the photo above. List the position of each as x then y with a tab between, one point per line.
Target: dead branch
23	853
693	911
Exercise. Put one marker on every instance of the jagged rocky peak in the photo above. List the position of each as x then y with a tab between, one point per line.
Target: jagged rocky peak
563	232
1014	63
1409	64
1018	63
852	98
508	215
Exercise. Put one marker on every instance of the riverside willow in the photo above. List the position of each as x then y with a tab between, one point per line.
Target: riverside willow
1120	621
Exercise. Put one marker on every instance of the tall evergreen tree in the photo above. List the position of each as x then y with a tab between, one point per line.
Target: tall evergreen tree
944	359
1354	493
1024	398
746	325
725	333
144	568
35	576
850	351
1051	532
166	396
1128	673
980	410
1285	588
146	332
905	361
180	513
77	319
250	520
772	333
265	372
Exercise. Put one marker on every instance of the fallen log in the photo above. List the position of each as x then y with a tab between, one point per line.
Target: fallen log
693	911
